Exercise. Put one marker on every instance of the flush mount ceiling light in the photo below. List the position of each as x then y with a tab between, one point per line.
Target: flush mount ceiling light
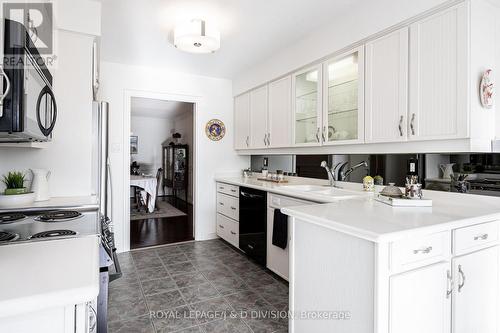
197	36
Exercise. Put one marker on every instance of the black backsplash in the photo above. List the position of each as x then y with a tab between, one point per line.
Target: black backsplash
391	167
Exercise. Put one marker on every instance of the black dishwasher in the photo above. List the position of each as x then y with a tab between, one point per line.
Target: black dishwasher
253	223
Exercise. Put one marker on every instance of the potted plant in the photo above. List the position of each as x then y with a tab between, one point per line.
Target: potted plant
14	183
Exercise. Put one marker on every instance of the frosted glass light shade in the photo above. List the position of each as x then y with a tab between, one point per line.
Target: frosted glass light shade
197	36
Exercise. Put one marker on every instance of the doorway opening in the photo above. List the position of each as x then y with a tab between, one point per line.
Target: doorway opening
161	171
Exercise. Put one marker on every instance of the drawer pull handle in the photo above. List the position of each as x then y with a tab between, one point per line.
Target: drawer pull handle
481	237
234	191
449	278
462	278
221	226
423	251
221	203
233	233
250	247
233	208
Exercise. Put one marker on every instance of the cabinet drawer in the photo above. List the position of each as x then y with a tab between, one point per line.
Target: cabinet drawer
228	205
418	251
231	190
228	229
475	237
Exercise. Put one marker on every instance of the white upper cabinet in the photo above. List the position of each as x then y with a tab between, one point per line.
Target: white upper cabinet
242	121
306	105
280	113
386	88
419	301
439	76
258	118
343	104
476	292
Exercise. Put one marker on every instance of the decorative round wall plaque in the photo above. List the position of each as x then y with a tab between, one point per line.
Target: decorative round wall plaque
215	130
486	90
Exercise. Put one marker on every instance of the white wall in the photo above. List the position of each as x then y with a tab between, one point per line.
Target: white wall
215	101
68	155
364	21
151	133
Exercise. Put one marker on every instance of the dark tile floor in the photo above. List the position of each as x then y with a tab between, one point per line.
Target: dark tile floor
204	286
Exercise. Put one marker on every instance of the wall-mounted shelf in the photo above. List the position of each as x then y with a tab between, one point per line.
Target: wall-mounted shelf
32	145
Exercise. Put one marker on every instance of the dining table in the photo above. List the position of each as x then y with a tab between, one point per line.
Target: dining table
148	185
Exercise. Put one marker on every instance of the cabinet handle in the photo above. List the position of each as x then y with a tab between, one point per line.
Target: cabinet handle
481	237
462	278
221	226
221	203
234	191
317	134
247	141
233	233
233	208
250	247
401	126
449	289
424	251
412	124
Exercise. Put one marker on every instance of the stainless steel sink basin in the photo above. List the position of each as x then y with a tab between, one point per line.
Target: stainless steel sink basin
325	190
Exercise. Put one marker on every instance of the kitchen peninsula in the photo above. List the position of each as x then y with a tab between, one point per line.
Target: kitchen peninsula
392	269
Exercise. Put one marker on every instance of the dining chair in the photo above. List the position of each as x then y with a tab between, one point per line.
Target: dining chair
159	177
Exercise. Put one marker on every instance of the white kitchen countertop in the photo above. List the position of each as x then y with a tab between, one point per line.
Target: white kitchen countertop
80	202
366	218
46	274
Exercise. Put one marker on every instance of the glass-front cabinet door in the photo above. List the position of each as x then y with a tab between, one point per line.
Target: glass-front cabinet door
343	115
306	87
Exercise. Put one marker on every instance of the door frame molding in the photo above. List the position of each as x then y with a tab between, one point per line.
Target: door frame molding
128	95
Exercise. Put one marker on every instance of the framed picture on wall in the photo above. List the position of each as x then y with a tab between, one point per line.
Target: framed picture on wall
134	147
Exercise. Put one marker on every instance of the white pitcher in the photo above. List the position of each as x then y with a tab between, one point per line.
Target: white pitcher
447	170
40	184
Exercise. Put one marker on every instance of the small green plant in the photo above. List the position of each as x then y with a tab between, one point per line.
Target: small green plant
14	182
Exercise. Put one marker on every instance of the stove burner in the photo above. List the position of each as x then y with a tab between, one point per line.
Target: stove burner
59	216
53	233
7	236
11	217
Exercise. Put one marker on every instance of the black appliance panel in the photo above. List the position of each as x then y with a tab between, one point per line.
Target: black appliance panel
253	223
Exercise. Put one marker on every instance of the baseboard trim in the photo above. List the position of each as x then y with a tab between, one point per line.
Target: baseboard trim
209	236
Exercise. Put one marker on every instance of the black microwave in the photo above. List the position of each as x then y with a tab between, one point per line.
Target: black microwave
28	111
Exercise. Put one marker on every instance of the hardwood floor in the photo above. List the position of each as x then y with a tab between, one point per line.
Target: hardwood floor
161	231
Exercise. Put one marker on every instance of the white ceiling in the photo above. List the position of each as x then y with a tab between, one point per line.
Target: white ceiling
139	32
154	108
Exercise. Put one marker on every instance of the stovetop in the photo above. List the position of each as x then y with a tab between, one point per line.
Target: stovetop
47	225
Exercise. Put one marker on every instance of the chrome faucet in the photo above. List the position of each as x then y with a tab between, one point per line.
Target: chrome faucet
344	174
331	172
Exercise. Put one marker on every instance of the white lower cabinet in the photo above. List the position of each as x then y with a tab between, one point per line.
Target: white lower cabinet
476	293
277	258
419	301
228	213
411	285
79	318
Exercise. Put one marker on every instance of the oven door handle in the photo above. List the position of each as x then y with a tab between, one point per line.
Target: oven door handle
7	89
